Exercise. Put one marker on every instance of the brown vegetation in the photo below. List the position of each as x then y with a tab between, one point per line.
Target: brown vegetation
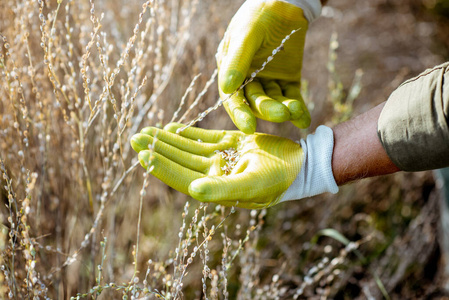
81	218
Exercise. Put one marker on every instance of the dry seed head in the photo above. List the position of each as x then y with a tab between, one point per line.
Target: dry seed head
231	156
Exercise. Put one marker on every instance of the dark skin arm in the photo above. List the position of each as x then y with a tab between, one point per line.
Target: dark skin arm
358	152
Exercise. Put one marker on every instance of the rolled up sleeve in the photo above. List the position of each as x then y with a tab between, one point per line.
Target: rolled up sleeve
413	125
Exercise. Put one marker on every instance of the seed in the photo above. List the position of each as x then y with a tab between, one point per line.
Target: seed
231	156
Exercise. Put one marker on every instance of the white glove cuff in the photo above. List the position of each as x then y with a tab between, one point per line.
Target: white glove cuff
316	175
311	8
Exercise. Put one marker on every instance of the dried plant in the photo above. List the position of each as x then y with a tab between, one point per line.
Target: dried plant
81	219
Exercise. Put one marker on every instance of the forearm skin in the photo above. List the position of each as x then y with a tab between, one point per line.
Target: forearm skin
358	152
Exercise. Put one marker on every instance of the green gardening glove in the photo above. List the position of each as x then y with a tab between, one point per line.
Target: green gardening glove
254	32
231	168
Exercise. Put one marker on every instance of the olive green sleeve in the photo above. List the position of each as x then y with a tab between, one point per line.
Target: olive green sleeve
413	125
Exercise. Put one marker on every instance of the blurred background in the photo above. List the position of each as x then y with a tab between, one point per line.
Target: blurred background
81	218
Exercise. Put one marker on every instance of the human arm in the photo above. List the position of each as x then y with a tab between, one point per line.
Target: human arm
410	128
409	132
267	169
358	152
270	169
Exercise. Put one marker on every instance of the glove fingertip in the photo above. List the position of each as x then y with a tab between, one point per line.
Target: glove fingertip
277	113
201	190
303	122
230	81
295	108
247	130
145	158
148	131
139	142
173	127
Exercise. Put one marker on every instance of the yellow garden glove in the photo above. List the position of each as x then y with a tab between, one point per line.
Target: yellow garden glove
227	167
254	32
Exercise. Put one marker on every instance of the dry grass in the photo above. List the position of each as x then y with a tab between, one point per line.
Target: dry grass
82	219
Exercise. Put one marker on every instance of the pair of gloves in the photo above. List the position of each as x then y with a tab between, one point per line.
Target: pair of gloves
244	168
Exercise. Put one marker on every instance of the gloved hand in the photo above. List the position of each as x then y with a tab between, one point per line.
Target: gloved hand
254	32
227	167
